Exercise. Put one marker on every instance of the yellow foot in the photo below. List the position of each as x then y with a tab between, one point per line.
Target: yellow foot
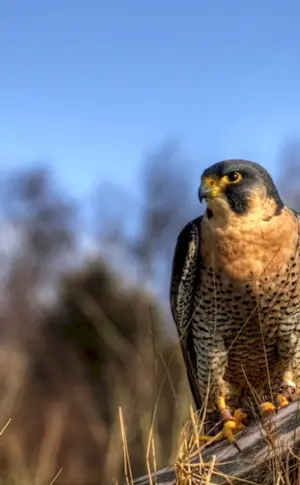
232	425
267	408
285	395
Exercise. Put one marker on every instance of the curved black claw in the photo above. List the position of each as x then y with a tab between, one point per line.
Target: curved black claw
234	443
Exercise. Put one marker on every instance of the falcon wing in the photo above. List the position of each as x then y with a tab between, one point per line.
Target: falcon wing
185	272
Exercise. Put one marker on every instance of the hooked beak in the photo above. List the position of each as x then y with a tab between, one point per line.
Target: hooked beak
205	191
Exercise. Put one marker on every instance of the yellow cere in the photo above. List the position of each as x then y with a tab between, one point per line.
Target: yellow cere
214	185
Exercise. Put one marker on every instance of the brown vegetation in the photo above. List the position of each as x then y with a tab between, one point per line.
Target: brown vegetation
87	347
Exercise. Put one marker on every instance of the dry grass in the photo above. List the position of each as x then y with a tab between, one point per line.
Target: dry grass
281	466
53	431
71	411
54	428
63	391
64	440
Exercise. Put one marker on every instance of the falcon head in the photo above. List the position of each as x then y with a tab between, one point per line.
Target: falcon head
239	186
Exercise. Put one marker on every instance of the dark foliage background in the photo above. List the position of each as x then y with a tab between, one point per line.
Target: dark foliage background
85	324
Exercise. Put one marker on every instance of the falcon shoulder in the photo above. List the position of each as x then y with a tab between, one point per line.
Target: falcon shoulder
185	274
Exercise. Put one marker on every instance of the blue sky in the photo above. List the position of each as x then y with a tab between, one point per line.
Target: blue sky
91	86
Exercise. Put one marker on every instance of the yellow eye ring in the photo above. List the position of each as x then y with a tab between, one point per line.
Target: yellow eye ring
232	177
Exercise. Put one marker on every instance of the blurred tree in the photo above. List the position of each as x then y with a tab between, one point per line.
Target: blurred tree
168	204
41	217
144	232
105	342
118	334
113	216
39	236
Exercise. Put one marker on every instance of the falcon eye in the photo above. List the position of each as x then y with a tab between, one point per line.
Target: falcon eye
232	177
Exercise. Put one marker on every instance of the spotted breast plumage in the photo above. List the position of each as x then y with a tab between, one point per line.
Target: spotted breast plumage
235	293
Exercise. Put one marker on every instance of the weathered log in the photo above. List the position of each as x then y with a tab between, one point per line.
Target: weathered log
261	453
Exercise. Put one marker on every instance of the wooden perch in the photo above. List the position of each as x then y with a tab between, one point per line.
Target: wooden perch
261	450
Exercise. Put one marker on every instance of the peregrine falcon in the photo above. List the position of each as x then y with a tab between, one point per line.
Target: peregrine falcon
235	294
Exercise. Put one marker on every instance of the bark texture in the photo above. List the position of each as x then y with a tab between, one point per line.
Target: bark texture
269	452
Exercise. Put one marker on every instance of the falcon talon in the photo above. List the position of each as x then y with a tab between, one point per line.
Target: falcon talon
241	258
267	408
234	443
